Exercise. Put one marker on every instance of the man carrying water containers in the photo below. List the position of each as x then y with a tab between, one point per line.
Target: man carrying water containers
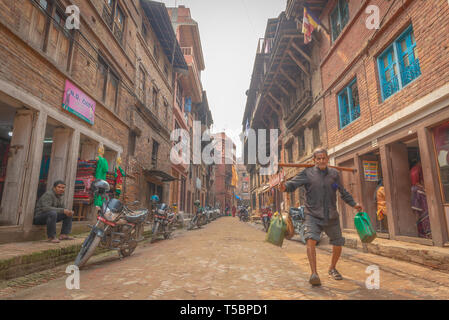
321	183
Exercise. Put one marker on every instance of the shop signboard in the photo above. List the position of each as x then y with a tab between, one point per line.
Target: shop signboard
78	103
371	170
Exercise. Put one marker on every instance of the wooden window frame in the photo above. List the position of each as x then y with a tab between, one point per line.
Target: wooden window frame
109	71
397	60
352	109
340	19
110	17
54	6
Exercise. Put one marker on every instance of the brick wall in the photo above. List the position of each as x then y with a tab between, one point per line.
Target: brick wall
430	22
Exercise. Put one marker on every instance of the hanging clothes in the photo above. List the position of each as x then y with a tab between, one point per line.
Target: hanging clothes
100	173
381	203
119	174
419	207
416	174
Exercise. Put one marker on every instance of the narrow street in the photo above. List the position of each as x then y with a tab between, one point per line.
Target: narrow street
229	259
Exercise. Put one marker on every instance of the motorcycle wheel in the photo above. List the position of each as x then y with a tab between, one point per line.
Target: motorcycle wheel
301	233
180	221
154	232
265	224
88	249
129	249
192	223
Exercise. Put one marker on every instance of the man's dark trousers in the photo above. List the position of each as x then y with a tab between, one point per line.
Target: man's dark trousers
50	218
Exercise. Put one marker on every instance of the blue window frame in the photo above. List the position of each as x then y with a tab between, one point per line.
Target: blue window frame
348	104
339	18
399	64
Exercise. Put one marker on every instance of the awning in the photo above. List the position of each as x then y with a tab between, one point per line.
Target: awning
161	174
160	22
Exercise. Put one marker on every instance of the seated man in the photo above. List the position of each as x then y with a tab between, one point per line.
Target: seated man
50	209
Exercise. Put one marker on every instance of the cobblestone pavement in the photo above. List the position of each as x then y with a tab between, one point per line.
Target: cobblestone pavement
228	259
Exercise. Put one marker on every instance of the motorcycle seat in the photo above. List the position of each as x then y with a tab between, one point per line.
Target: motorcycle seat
137	216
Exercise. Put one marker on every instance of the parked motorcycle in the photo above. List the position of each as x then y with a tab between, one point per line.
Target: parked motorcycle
179	218
243	214
217	213
199	219
164	220
266	218
117	227
298	219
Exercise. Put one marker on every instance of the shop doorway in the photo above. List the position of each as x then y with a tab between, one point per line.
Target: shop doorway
45	161
155	189
373	191
409	196
16	127
7	115
85	174
348	179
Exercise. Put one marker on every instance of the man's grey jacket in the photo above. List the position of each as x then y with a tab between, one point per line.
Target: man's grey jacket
49	202
321	187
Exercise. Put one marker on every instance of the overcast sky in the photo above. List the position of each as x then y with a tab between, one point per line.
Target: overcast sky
229	33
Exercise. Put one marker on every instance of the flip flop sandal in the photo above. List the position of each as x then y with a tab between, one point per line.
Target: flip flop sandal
53	240
66	238
335	274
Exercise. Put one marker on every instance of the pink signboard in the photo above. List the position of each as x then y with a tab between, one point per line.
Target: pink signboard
78	103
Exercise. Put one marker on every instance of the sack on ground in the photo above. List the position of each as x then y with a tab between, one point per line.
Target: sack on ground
364	227
276	231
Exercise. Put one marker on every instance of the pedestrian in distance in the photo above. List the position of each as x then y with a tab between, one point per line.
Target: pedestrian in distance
50	209
233	211
321	184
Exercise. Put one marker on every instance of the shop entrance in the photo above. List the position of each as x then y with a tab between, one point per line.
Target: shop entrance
373	191
409	196
85	174
348	179
55	154
16	127
6	131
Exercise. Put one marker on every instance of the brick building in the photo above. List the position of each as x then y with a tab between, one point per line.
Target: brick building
284	94
242	188
224	191
386	101
119	62
193	181
385	104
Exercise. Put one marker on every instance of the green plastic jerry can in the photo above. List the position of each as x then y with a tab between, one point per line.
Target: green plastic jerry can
364	227
276	231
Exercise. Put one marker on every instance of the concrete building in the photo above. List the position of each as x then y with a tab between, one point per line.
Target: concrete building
63	93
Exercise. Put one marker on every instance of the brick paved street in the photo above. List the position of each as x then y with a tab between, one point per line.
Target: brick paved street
228	259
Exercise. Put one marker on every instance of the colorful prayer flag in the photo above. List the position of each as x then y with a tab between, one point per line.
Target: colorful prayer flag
309	23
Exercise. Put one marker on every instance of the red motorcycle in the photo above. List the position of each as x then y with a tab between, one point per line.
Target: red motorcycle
266	218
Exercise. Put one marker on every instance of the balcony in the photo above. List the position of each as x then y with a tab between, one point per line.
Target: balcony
265	46
192	83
